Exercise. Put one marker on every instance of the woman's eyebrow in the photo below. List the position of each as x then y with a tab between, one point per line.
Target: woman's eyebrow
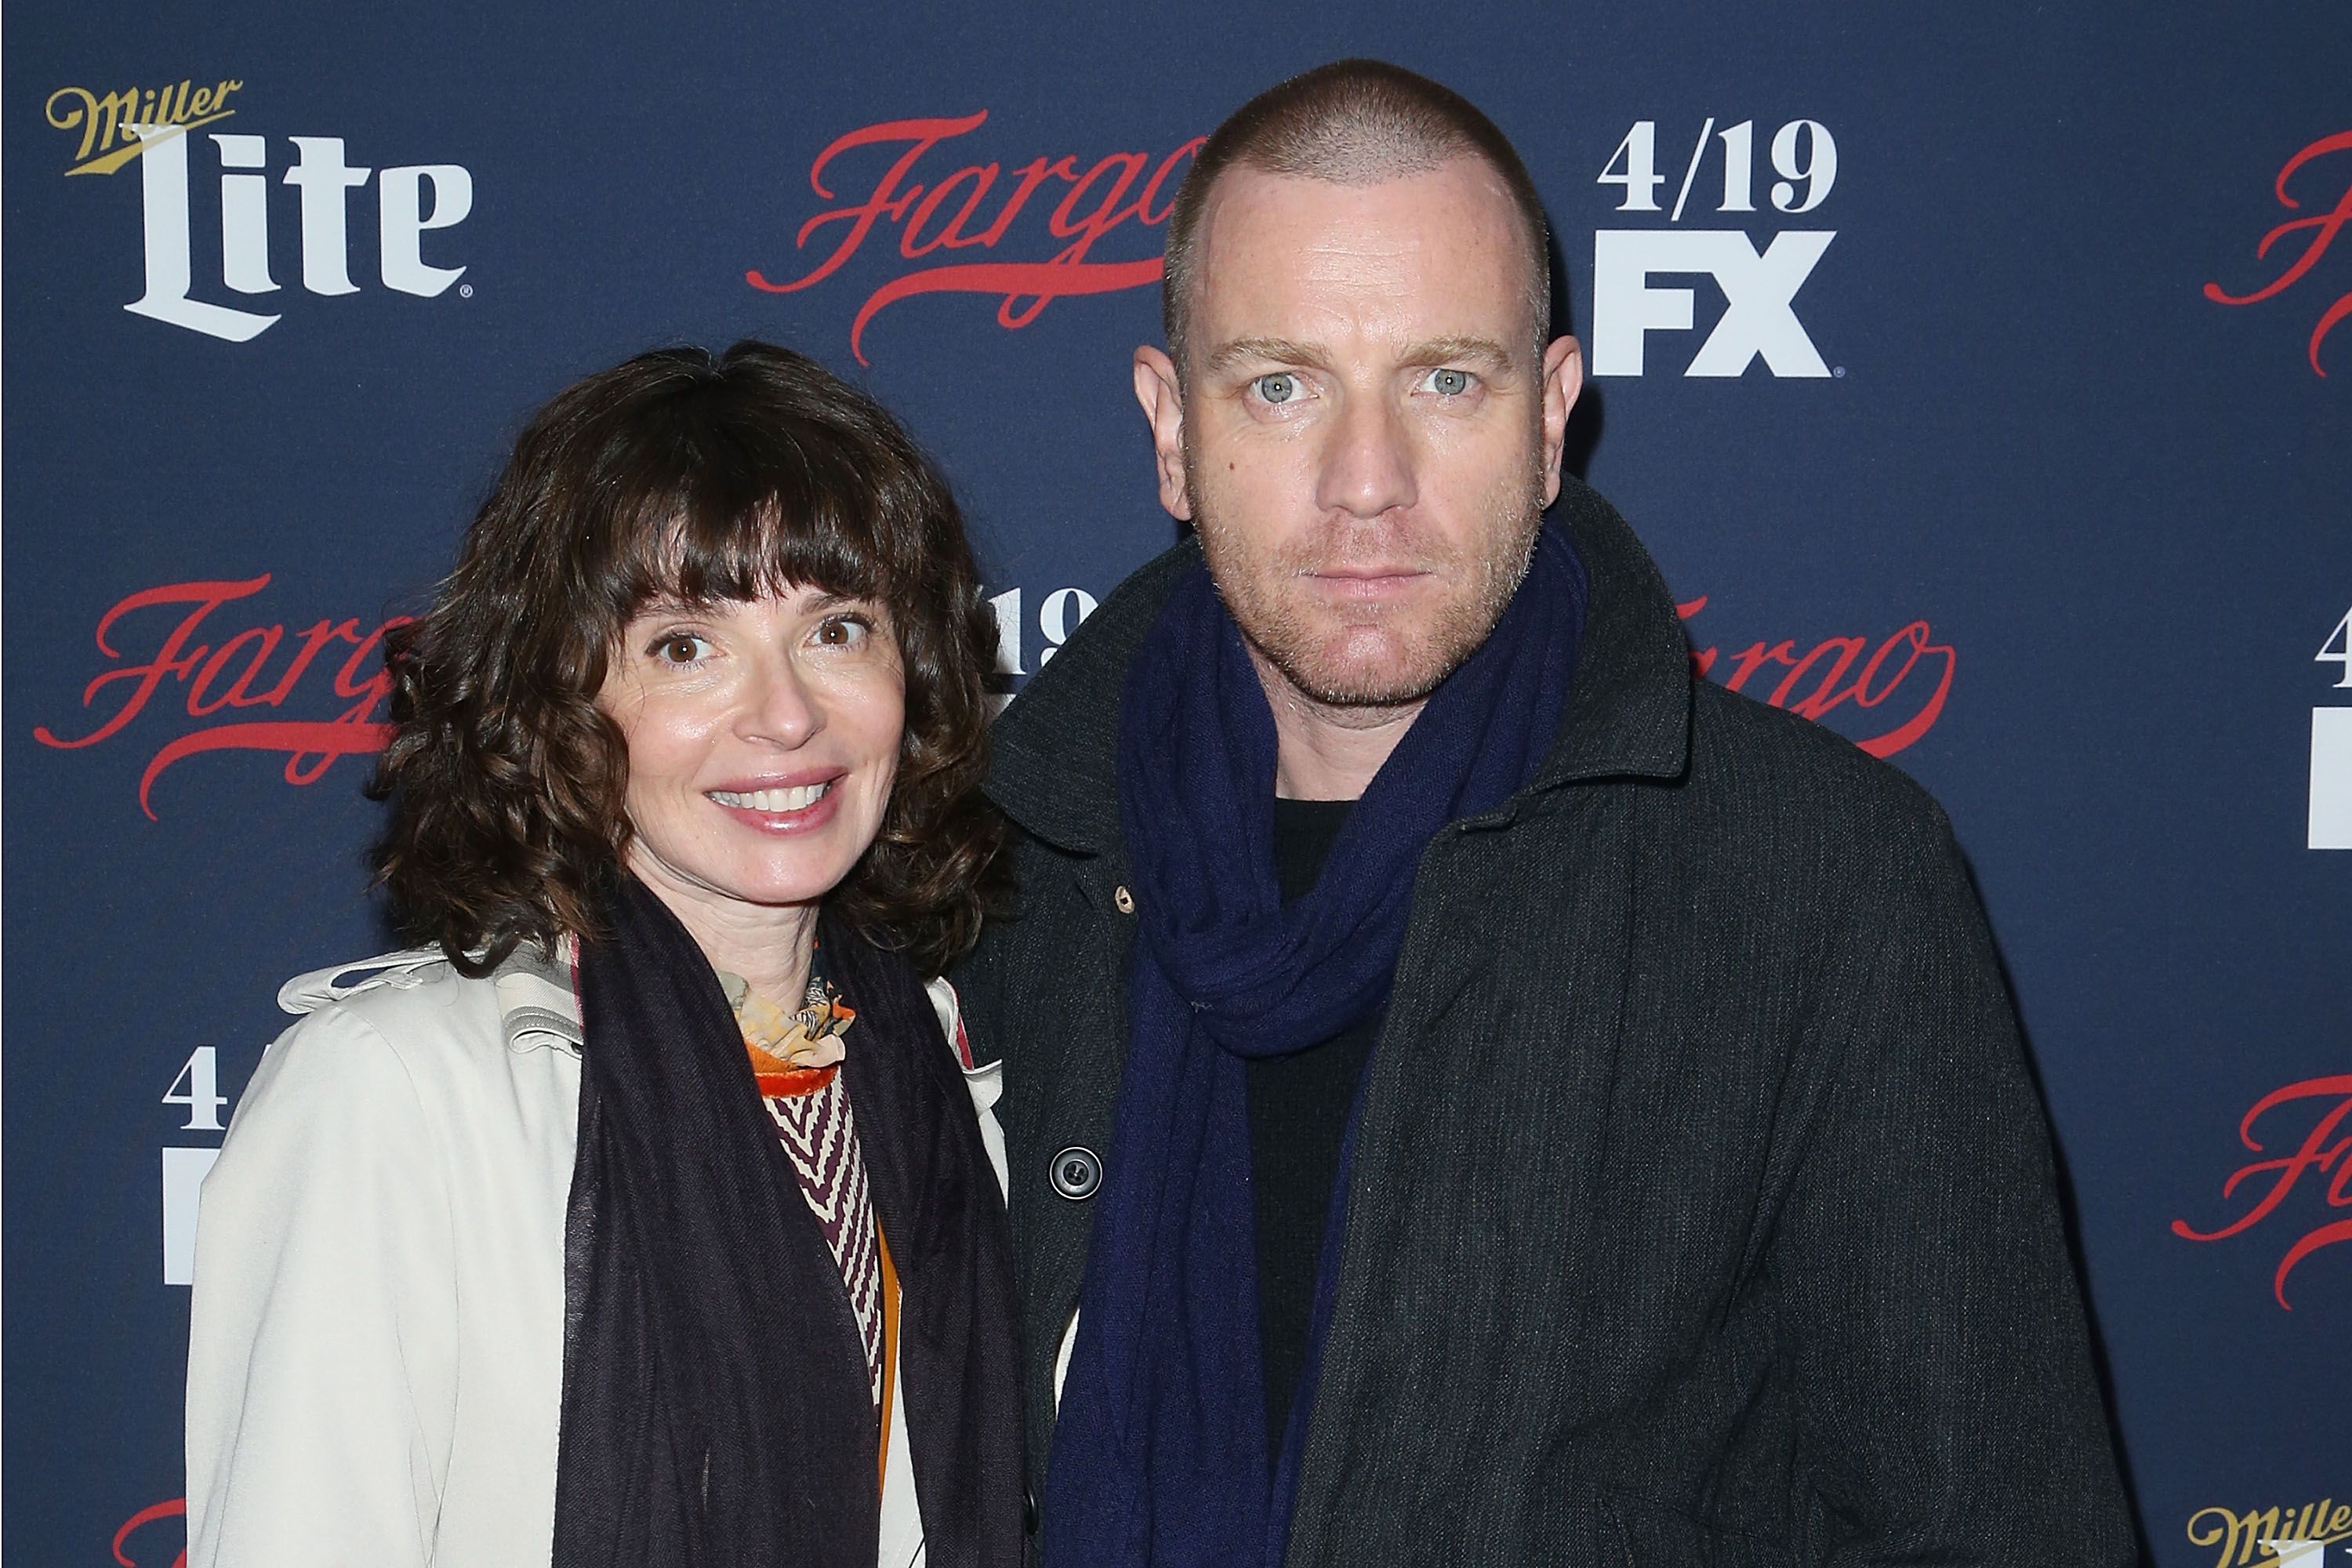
827	599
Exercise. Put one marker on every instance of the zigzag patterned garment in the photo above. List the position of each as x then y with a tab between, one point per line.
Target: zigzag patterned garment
820	1137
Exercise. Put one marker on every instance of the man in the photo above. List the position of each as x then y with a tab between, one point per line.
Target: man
1474	1093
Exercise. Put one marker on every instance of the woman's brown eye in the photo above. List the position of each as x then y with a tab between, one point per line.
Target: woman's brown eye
678	649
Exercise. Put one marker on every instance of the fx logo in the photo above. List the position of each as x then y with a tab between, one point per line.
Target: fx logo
2331	751
1759	287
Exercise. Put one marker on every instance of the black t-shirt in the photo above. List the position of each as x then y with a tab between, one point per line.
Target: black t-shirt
1298	1112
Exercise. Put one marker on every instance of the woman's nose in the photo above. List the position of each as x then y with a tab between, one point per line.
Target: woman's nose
779	707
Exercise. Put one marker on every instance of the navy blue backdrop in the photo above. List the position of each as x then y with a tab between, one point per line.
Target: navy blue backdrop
1969	372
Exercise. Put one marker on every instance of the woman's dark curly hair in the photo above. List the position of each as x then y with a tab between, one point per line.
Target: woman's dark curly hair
676	475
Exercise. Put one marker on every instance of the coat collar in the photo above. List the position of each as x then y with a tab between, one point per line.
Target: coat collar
539	998
1056	750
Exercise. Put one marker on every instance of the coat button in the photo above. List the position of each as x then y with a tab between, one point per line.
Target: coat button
1124	900
1076	1173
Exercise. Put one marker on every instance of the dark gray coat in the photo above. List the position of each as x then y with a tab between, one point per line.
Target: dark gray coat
1702	1210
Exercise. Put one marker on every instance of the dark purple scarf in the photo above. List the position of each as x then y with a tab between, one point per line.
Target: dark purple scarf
1159	1454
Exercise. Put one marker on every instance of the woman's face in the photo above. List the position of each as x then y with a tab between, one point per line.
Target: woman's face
763	738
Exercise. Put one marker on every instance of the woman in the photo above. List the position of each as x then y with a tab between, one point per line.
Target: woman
644	1218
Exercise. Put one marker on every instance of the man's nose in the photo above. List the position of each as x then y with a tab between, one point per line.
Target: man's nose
778	707
1368	460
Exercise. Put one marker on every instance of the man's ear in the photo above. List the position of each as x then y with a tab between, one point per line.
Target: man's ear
1563	378
1163	409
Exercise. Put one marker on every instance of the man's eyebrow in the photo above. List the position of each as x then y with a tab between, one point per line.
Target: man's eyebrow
1261	351
1455	350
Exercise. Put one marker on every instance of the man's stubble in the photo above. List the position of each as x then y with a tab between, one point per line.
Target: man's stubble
1287	633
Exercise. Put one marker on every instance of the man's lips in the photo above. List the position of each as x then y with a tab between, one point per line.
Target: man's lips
1380	582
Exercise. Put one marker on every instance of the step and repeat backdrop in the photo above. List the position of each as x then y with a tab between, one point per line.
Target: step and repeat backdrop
1980	377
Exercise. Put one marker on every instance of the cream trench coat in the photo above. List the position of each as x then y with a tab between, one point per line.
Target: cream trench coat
375	1349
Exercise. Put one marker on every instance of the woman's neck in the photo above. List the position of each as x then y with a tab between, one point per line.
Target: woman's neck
767	944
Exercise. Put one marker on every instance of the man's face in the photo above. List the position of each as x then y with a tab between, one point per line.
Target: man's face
1366	436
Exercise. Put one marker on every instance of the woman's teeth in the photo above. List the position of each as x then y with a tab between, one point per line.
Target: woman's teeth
799	797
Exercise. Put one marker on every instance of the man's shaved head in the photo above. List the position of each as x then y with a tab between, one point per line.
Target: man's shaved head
1352	123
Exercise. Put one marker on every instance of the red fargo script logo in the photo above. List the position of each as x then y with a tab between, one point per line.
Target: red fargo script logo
2318	231
1837	670
2323	1154
257	667
180	650
963	211
176	1508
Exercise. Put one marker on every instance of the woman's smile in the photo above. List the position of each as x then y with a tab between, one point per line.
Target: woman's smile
779	807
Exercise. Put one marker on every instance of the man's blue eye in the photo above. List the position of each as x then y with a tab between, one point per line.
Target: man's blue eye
1449	382
1280	387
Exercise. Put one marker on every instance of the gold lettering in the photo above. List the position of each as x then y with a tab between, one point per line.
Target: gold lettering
118	108
86	116
2238	1537
2203	1534
108	140
2258	1528
2338	1521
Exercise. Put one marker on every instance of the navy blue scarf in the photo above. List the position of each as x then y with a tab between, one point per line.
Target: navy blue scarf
1159	1454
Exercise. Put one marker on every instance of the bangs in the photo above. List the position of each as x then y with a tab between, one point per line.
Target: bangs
710	509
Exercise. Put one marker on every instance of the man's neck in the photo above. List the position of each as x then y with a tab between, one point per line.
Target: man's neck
1326	751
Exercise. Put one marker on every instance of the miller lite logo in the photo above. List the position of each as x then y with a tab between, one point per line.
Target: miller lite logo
1640	276
157	129
2280	1536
